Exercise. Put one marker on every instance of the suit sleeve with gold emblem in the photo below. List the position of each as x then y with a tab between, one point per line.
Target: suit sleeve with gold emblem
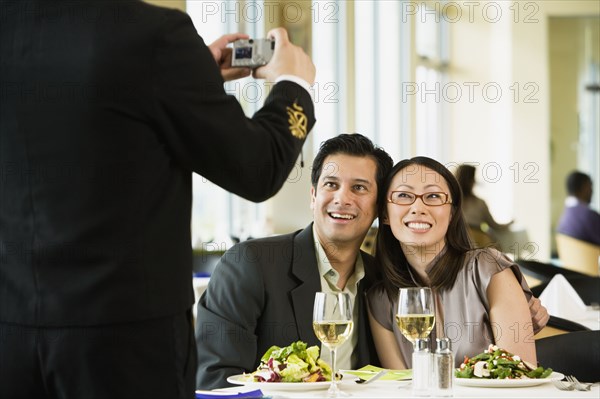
206	129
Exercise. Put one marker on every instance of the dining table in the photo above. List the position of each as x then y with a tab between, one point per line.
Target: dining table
562	300
403	389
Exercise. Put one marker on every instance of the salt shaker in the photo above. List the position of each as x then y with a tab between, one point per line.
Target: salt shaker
421	364
443	367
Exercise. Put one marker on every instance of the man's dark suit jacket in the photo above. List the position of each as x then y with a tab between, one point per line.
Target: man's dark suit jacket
107	107
261	294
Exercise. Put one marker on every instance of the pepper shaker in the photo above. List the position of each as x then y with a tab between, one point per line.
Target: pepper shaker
443	365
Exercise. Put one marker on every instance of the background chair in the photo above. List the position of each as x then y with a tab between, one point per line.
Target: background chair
575	353
588	288
557	326
577	254
538	274
545	271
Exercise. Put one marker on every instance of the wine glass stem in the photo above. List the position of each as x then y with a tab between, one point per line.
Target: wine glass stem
333	391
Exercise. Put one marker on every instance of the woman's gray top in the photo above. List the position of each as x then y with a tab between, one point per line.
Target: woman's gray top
462	313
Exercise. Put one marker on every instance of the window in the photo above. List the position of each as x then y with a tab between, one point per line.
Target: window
220	218
362	52
431	35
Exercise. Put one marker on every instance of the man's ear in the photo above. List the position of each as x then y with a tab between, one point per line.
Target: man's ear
313	195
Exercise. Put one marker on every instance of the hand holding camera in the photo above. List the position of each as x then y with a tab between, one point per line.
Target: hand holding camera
287	59
264	58
223	55
250	53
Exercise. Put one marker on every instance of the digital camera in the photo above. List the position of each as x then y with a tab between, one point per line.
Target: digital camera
250	53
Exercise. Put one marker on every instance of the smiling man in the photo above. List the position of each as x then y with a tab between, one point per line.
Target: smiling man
262	291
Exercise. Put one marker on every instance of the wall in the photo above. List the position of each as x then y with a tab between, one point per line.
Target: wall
494	125
512	135
564	59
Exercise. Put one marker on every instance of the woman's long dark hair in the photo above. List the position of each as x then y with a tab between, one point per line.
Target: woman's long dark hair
391	260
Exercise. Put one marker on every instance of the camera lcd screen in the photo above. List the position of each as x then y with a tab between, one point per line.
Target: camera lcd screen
243	53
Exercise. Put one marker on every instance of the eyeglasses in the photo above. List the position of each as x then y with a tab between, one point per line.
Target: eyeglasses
408	198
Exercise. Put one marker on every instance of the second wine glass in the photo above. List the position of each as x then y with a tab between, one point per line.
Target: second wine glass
416	312
332	324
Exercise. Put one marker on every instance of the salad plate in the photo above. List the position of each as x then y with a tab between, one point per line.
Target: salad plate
243	379
507	383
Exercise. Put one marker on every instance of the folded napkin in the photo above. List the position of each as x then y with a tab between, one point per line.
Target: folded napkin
256	394
561	299
369	371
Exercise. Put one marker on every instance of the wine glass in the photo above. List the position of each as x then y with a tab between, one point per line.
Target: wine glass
416	312
332	324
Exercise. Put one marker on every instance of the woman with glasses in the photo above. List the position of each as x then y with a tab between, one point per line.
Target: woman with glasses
481	298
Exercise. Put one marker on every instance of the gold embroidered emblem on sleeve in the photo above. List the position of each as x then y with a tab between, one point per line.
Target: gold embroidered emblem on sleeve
297	120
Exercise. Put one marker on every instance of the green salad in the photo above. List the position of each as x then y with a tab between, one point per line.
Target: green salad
500	364
293	363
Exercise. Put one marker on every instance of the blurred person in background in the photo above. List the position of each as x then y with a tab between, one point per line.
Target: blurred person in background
107	109
578	220
475	210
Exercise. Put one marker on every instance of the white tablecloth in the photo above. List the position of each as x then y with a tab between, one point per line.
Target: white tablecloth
385	389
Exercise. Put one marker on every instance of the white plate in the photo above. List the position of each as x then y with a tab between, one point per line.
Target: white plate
241	379
505	383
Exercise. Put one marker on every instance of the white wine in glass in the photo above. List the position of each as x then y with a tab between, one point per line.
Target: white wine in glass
332	333
332	324
416	312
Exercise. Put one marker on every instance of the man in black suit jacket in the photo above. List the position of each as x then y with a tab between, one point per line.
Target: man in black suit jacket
107	107
262	291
